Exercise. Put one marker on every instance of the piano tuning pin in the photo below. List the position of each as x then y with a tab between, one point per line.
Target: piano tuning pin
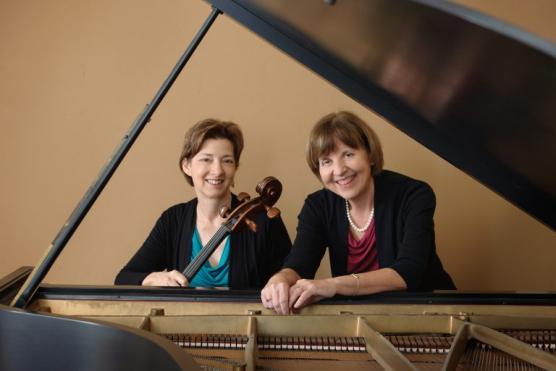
272	212
242	197
224	211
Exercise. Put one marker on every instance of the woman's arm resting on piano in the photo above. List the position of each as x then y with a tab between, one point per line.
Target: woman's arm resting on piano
306	292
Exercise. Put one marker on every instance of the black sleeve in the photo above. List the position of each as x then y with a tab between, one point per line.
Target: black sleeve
417	242
277	244
151	257
311	241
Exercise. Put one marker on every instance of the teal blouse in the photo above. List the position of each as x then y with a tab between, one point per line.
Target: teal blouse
209	276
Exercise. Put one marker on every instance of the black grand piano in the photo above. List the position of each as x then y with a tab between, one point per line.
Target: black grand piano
507	76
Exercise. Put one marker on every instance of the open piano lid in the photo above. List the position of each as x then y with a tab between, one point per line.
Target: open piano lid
478	92
472	90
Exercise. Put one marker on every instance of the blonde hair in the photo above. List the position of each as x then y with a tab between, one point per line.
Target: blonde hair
196	136
350	130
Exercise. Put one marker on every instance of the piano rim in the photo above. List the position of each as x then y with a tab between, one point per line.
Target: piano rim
180	294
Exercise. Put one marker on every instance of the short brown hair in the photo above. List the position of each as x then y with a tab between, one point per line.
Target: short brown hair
196	136
349	129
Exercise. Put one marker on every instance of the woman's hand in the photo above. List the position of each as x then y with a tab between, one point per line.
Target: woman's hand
164	278
306	292
275	295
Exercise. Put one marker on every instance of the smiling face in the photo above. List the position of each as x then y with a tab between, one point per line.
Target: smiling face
212	169
346	171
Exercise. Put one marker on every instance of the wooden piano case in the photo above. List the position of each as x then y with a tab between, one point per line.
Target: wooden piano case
425	331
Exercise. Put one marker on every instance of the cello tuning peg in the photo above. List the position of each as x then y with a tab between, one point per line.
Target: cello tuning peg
272	212
251	224
242	197
224	211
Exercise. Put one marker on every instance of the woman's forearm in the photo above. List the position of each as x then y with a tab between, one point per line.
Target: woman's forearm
385	279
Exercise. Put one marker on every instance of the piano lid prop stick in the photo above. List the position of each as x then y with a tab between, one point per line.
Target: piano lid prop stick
28	289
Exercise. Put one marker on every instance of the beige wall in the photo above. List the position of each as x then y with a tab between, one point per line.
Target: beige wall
75	74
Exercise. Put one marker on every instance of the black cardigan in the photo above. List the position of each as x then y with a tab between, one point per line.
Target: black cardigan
254	257
404	210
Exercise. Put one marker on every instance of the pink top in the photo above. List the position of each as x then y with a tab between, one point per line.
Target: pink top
362	254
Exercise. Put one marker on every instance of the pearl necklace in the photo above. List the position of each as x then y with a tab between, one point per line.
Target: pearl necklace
356	228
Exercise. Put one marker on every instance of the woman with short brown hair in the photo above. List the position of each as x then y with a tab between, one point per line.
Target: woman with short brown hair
209	160
377	224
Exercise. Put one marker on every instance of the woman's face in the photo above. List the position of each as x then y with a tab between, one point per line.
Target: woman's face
346	171
212	169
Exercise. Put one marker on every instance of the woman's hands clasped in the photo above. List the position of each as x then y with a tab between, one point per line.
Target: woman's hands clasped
165	278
